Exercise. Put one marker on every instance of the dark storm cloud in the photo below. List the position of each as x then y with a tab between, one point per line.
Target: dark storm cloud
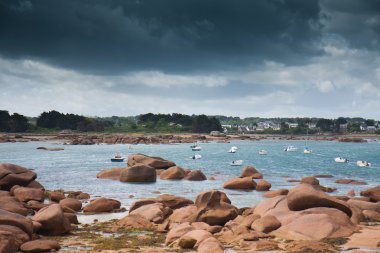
356	21
168	35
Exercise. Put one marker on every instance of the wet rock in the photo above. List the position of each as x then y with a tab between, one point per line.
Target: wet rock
372	193
78	195
266	224
173	173
113	173
350	181
73	204
351	193
72	217
138	174
155	212
25	194
155	162
52	220
274	193
40	246
178	231
323	176
36	205
263	185
102	205
56	196
310	180
240	183
305	196
35	184
195	175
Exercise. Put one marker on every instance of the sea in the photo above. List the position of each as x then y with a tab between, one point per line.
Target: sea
75	168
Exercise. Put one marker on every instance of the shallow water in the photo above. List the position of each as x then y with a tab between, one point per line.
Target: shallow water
75	168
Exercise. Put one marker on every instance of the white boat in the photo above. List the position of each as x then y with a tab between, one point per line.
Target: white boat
363	164
117	158
307	151
236	163
196	156
233	149
263	152
290	149
340	160
196	148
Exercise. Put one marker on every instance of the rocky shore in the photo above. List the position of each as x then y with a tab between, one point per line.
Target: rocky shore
305	218
105	138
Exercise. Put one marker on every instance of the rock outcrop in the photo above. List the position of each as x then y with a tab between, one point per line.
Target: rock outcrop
155	162
139	173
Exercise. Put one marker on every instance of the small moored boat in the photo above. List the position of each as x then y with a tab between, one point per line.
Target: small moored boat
363	164
263	152
196	156
196	148
233	149
290	149
117	158
307	151
236	163
340	160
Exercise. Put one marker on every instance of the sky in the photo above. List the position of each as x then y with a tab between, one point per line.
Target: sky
265	58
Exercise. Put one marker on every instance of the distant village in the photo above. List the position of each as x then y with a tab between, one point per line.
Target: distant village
322	125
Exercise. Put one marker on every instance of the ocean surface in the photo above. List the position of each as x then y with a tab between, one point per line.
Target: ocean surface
75	167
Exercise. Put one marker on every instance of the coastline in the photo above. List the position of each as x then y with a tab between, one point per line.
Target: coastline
173	138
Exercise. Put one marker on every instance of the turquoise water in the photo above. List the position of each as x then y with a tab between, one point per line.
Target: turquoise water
76	167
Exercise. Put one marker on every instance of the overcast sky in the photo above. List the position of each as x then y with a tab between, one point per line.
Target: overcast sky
267	58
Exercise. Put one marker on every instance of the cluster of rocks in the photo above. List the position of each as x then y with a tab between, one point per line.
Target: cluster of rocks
28	211
142	168
246	181
131	139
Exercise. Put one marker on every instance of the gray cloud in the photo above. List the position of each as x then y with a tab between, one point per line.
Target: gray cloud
169	35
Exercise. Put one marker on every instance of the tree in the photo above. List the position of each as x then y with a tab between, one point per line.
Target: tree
4	121
18	123
369	122
284	128
324	124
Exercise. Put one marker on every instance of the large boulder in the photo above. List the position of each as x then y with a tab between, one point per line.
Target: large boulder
249	171
263	185
214	208
113	173
16	220
102	205
56	196
13	205
195	175
155	162
178	231
240	183
266	224
139	173
73	204
155	212
210	245
306	196
25	194
364	205
11	174
19	235
184	214
193	238
53	220
171	201
173	173
40	246
315	224
372	193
